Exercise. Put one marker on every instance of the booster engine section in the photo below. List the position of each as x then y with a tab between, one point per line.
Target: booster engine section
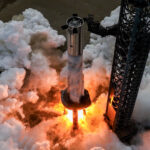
75	96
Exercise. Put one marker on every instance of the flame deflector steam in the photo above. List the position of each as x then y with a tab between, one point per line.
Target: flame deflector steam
75	97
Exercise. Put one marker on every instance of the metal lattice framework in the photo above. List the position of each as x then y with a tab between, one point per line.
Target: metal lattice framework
131	52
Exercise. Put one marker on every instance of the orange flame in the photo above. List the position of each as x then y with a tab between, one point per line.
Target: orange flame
84	116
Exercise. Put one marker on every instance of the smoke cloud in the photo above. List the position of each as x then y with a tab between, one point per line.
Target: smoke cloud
32	73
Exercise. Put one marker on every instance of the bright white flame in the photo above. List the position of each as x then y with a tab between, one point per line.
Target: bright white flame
70	115
80	115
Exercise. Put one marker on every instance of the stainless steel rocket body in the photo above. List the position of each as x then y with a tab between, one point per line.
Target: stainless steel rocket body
75	36
75	51
75	78
75	96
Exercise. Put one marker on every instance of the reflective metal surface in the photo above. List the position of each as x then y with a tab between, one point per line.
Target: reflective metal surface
75	36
